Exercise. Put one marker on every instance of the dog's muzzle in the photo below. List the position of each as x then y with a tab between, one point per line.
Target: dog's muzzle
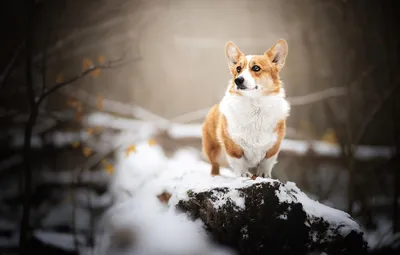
239	81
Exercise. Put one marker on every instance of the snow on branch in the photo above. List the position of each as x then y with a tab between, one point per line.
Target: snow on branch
117	107
58	139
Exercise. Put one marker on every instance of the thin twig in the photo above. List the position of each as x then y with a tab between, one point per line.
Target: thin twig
44	59
58	86
317	96
10	67
362	130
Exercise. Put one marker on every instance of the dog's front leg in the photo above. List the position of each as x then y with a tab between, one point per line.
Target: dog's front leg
266	165
239	166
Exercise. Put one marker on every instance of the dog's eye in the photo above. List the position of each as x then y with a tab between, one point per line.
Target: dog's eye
256	68
238	69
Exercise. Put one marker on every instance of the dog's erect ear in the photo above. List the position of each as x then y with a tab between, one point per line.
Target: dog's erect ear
278	53
232	53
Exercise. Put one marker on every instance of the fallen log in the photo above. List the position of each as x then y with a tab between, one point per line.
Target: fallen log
269	217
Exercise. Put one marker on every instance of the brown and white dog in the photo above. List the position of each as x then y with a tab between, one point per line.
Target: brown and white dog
247	127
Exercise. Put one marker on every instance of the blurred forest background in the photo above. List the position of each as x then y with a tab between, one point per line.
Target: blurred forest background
75	75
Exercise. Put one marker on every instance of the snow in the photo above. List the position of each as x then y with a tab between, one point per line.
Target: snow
146	172
185	130
56	138
61	240
152	228
67	177
383	235
232	196
89	199
60	139
290	193
100	119
139	218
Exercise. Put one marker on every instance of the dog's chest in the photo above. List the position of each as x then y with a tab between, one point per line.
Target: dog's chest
252	123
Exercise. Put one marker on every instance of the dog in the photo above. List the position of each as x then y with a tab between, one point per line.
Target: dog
247	126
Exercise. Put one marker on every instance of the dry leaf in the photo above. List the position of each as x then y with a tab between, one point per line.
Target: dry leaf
164	197
108	167
76	144
87	151
329	136
152	142
100	59
129	150
254	177
90	131
95	73
99	103
86	64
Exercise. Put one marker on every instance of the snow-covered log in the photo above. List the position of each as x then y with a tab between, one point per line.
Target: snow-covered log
269	217
174	205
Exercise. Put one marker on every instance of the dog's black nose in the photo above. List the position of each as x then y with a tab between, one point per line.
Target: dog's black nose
239	81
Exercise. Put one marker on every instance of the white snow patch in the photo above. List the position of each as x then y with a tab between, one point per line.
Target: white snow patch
290	193
233	196
68	176
383	235
60	240
135	169
244	231
283	217
185	130
62	214
152	228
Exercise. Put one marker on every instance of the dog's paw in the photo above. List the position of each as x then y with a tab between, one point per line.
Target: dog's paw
247	174
264	175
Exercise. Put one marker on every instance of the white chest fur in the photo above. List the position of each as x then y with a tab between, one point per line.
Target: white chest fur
252	122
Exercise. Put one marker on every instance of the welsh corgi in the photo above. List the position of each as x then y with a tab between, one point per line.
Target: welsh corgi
246	128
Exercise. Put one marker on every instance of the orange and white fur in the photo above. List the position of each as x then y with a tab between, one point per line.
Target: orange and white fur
247	127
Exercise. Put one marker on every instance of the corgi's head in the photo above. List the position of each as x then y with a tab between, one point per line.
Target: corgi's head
254	75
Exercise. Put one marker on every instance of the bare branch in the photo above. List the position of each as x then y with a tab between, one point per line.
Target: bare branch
10	67
118	107
317	96
58	86
373	113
